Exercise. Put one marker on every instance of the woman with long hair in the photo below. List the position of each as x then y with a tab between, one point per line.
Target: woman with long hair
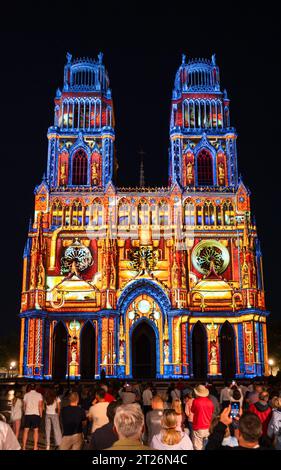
52	403
16	412
177	407
169	437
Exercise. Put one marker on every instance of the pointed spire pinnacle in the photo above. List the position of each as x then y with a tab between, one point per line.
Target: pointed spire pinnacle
142	182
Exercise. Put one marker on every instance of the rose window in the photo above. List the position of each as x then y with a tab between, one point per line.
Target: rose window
207	251
77	253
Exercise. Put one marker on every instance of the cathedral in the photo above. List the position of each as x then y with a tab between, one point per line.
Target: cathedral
142	282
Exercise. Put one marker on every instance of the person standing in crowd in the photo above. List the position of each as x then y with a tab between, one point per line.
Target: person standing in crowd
274	426
129	425
236	397
262	409
188	400
105	436
170	438
33	410
107	397
248	433
202	409
244	389
171	388
52	417
253	396
8	440
154	418
228	440
127	395
215	402
225	395
97	413
177	407
16	412
73	418
136	387
176	392
146	398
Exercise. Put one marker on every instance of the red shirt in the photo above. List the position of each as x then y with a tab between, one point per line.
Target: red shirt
264	415
109	398
202	409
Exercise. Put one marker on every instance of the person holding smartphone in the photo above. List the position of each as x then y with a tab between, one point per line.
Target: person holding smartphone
248	433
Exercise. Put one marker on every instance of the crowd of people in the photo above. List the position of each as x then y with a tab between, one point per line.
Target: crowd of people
120	416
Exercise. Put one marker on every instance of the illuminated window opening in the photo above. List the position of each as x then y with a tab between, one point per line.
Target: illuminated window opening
204	168
80	168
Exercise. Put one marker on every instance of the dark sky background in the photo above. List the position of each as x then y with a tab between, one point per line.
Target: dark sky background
141	56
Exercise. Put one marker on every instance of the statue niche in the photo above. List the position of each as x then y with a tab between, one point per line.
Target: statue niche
95	173
221	174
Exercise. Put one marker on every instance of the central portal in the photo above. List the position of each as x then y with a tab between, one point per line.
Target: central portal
143	351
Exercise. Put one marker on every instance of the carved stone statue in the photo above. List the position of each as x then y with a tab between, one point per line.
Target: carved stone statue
95	174
213	353
63	173
189	173
121	353
221	174
166	353
74	354
41	272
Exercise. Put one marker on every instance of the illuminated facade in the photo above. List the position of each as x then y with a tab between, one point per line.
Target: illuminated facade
142	282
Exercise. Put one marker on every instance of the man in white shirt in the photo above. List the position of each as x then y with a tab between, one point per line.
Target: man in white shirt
225	395
8	440
146	399
127	395
97	413
33	409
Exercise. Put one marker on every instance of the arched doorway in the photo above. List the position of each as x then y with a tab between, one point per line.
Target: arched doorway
88	351
227	351
59	352
143	351
199	351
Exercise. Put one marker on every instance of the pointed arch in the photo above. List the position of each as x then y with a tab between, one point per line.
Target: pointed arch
123	212
60	344
96	213
88	351
80	168
205	168
227	350
189	213
77	213
56	214
199	351
143	350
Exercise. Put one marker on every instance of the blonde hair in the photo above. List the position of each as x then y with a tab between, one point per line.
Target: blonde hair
169	434
177	406
276	402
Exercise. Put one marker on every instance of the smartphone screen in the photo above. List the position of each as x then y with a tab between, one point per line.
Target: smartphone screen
234	409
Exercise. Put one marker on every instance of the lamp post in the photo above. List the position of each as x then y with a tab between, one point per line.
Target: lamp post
271	364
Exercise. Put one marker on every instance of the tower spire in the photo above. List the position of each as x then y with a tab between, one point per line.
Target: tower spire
142	154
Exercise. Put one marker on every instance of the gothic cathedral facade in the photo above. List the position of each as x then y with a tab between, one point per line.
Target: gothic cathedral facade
142	282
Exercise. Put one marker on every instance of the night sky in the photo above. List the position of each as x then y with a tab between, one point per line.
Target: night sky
142	56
